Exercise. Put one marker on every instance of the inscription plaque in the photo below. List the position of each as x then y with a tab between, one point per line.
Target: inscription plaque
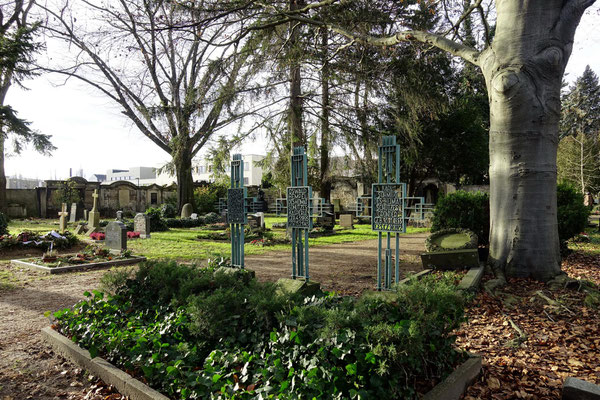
298	207
388	207
235	206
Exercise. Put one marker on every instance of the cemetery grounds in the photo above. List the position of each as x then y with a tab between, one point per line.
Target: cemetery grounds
530	336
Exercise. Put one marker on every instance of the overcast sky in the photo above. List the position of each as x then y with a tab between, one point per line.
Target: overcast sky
92	135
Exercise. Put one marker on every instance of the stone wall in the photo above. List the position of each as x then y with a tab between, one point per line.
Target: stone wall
344	189
120	195
22	203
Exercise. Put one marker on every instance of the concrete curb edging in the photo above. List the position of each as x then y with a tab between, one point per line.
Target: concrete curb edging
79	267
111	375
450	389
457	382
578	389
470	282
418	275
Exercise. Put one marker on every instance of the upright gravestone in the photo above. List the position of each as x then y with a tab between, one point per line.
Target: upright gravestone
116	236
186	210
73	214
141	224
85	214
94	215
63	218
347	221
387	203
119	215
261	219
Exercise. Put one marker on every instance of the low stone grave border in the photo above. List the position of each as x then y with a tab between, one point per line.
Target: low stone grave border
450	388
78	267
111	375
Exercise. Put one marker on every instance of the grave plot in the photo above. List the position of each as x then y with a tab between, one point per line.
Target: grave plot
90	258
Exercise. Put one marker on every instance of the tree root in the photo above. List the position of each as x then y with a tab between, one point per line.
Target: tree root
516	342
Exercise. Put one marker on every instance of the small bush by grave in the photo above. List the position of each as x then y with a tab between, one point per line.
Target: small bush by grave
463	210
202	333
157	223
571	212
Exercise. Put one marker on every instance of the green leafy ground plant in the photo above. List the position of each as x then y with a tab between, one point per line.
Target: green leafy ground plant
195	332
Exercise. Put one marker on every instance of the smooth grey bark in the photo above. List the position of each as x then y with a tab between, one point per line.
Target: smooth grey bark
523	69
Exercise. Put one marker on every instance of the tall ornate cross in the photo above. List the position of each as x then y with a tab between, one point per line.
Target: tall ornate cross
237	215
388	207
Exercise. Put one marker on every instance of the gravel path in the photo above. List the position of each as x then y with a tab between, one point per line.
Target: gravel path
30	370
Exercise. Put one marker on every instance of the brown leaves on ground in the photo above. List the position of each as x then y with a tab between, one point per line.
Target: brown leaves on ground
561	337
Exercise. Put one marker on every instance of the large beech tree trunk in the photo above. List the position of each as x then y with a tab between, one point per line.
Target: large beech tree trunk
3	202
185	181
523	70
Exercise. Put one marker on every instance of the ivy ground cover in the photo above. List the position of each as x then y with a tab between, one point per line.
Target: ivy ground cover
195	333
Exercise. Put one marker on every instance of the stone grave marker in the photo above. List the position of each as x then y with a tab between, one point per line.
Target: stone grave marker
79	229
116	236
141	224
85	215
73	215
63	218
347	221
261	216
253	221
94	215
119	215
194	216
187	210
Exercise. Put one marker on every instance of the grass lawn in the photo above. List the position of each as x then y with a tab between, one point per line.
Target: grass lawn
182	243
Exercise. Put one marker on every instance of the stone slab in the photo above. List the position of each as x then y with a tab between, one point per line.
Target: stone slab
451	260
347	221
111	375
418	275
307	288
79	267
470	282
233	270
453	387
577	389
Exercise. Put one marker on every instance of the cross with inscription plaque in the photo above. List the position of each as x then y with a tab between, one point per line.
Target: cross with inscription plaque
300	207
387	209
237	215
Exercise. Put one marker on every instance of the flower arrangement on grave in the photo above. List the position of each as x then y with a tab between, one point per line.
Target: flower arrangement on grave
35	240
133	235
91	254
97	235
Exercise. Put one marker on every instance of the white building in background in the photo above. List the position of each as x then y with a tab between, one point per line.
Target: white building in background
202	170
23	183
137	175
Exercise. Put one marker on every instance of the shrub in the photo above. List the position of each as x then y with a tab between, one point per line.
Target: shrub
203	333
168	210
4	224
207	197
157	223
463	210
571	212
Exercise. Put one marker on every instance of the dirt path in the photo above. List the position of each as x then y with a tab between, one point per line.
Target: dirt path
30	370
28	367
347	268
